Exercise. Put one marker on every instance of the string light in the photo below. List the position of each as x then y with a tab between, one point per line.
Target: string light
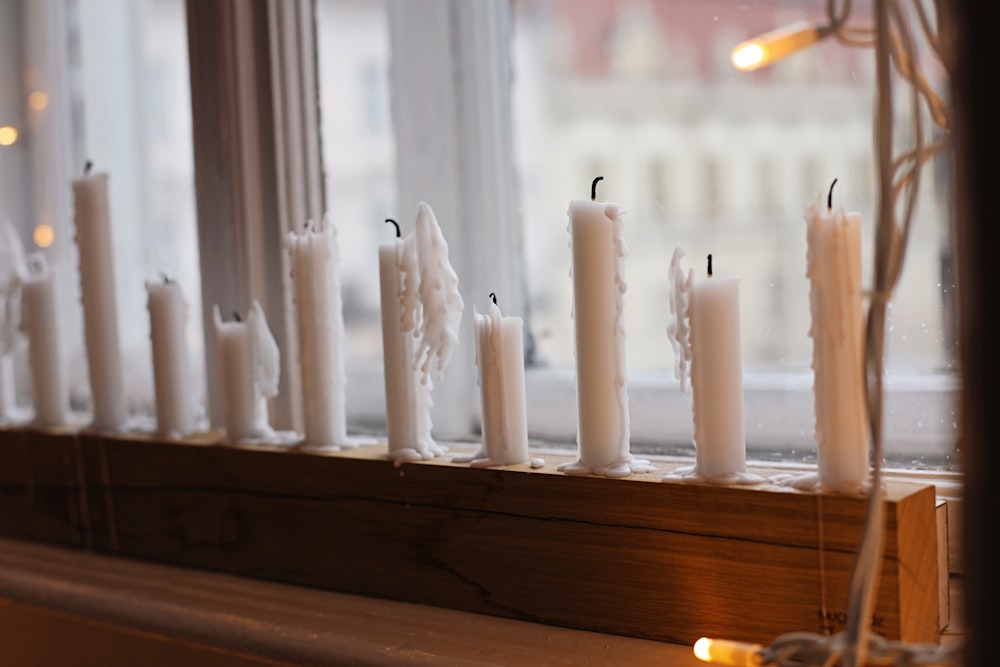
894	47
8	135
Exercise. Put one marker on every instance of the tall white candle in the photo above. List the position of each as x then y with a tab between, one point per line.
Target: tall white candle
407	400
168	314
320	320
100	311
430	311
598	272
500	364
46	358
248	373
837	330
706	337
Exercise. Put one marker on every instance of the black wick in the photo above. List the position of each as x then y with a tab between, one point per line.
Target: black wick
593	188
165	278
236	316
709	263
35	264
396	225
493	295
829	197
87	166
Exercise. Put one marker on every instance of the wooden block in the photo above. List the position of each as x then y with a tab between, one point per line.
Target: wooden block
634	556
41	485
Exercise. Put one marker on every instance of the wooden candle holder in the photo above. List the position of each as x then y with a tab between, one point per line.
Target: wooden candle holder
668	561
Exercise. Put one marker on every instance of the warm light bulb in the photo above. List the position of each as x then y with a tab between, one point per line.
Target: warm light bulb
773	46
38	100
44	236
727	652
8	135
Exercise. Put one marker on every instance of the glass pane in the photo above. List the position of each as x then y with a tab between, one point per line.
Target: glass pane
107	81
700	155
359	156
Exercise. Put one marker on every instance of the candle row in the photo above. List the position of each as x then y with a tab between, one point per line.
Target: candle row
422	307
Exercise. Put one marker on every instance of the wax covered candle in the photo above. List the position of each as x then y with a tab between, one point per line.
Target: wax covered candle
249	367
100	310
500	366
705	332
320	323
837	329
12	267
407	399
46	357
430	310
168	314
598	272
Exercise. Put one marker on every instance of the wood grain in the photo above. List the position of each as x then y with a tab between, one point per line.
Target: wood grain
666	561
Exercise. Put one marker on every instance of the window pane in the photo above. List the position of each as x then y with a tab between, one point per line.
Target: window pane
359	156
699	155
105	81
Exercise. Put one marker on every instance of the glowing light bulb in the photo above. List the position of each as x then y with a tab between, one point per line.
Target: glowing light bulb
38	100
44	236
771	47
727	652
8	135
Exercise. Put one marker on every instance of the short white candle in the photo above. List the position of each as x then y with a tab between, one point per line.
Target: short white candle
407	400
248	373
8	390
168	315
837	330
100	311
46	359
500	363
320	322
706	333
12	268
598	272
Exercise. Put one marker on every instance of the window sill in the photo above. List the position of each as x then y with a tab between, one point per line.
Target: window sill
288	625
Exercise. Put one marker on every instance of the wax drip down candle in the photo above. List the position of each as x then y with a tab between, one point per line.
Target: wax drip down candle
837	330
100	310
46	358
597	244
320	322
249	368
407	399
430	310
500	364
168	316
705	334
12	268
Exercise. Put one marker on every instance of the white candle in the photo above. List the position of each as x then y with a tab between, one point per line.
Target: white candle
837	330
40	322
500	363
100	311
8	389
12	267
598	272
320	320
706	335
168	312
407	400
248	373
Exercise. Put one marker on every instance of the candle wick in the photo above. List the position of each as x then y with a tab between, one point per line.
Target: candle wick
493	295
236	316
165	278
829	197
709	264
593	188
87	166
35	265
396	225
